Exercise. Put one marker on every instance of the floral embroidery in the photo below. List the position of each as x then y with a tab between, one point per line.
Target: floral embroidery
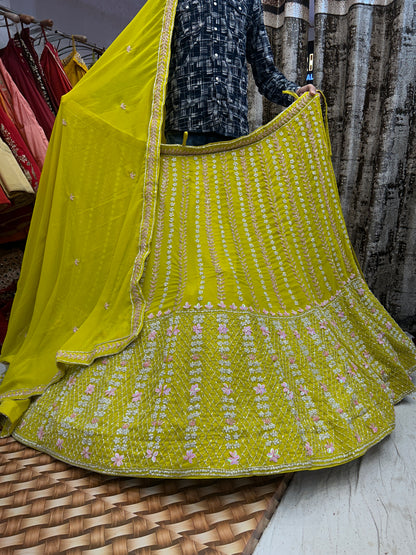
110	392
163	390
137	396
190	455
247	330
330	447
226	389
59	443
234	457
264	331
222	328
260	389
41	432
197	329
308	448
86	452
172	330
90	389
151	454
117	460
194	389
273	455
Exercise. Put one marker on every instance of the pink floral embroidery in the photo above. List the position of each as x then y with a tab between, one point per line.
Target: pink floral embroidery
360	291
111	391
308	448
86	452
330	447
264	331
194	389
152	335
243	307
151	316
137	395
169	358
292	360
316	418
222	328
71	381
311	331
195	357
281	334
209	305
273	455
303	390
60	443
388	325
123	363
146	363
233	306
94	420
117	460
374	428
247	330
358	438
226	389
296	334
287	390
274	358
192	423
323	324
172	330
234	457
163	390
326	354
222	304
90	389
340	410
186	306
341	379
341	314
197	329
151	454
230	421
73	415
252	356
105	361
260	389
190	455
380	338
157	423
324	387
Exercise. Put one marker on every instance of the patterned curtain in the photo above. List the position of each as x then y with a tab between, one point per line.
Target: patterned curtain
365	62
287	23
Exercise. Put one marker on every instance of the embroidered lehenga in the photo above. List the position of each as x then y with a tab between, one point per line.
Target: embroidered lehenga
193	311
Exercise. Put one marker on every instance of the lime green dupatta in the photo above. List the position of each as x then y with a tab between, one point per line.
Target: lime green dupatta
79	297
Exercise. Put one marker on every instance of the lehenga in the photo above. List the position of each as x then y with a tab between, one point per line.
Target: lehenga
193	311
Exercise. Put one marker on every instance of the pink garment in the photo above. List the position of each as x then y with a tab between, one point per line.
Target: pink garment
23	117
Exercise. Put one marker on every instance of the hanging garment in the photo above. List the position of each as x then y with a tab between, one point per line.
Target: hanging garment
74	66
193	311
13	139
23	117
19	69
54	71
12	179
27	45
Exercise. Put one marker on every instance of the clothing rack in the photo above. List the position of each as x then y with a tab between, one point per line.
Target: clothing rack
46	25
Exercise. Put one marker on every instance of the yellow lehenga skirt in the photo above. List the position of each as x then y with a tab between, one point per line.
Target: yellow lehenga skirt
262	349
192	311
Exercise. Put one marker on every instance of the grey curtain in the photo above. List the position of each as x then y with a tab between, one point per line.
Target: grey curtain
365	62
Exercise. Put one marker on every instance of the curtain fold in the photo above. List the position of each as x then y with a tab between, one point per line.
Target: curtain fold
365	56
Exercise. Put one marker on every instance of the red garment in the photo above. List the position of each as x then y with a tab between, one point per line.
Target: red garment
54	71
19	69
13	139
4	201
33	59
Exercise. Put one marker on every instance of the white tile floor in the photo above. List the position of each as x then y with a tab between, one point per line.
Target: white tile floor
367	507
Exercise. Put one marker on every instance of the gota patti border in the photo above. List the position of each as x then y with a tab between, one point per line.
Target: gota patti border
151	175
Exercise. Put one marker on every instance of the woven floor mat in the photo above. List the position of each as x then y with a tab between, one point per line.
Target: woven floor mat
49	507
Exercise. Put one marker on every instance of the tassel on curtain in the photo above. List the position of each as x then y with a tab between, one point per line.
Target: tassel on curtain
365	63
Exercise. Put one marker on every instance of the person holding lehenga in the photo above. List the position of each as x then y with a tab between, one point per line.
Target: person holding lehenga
193	311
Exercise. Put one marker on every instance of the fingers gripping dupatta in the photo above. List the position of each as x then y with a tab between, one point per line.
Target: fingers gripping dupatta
79	297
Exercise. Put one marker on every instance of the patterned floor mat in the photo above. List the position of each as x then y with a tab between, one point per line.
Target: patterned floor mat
49	507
